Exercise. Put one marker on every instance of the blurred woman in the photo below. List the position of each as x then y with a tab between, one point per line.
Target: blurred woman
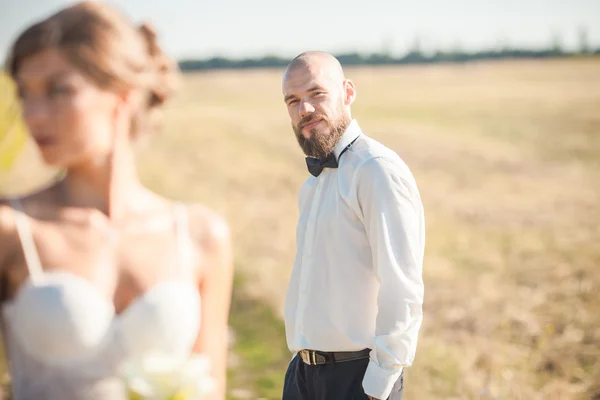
96	269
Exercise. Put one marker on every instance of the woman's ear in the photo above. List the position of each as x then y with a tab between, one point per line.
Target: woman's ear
127	105
130	100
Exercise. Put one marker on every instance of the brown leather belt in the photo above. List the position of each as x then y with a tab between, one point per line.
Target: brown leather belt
313	357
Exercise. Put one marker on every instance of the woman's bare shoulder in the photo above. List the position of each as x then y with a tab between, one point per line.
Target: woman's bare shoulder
33	203
207	225
6	218
211	235
8	232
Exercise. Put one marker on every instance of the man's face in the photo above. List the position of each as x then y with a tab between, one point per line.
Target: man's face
316	104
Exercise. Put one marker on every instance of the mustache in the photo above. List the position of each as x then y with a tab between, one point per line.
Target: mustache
311	118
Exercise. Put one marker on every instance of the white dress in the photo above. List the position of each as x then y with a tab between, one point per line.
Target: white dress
64	339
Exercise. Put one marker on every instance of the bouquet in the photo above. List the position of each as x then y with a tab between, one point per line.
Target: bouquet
163	377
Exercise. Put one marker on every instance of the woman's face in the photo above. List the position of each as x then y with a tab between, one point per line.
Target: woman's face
70	118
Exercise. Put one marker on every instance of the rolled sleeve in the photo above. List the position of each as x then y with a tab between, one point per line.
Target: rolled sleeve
392	214
379	382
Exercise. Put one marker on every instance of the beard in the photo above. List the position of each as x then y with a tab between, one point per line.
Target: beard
321	144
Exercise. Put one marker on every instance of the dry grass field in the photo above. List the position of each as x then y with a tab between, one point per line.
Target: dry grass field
507	158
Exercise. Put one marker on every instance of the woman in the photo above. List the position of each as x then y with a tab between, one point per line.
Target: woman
96	269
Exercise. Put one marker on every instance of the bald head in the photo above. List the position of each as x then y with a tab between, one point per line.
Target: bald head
318	99
317	62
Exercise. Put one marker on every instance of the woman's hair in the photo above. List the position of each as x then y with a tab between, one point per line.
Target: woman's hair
109	49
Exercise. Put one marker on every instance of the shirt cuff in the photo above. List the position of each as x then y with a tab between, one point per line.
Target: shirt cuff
379	382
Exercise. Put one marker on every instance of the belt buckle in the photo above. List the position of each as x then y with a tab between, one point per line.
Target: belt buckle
311	357
306	356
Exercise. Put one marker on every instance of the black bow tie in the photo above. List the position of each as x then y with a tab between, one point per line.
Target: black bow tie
316	165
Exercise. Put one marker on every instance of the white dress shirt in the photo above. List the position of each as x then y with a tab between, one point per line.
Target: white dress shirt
357	277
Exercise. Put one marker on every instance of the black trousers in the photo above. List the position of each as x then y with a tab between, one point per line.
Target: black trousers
341	381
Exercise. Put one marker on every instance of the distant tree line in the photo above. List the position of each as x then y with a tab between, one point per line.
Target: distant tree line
414	56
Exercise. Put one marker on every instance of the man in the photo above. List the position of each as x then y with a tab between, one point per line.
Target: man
354	304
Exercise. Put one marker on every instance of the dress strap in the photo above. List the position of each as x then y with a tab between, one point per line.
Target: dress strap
32	258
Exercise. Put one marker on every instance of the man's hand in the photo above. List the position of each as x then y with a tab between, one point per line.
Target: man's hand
372	398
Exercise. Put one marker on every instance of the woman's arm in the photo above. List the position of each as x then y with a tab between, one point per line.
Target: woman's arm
215	284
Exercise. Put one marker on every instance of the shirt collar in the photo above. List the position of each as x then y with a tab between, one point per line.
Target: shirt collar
352	132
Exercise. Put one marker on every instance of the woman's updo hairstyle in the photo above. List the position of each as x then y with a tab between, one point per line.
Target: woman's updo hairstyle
110	50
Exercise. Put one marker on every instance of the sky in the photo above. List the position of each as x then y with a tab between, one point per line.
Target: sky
254	28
